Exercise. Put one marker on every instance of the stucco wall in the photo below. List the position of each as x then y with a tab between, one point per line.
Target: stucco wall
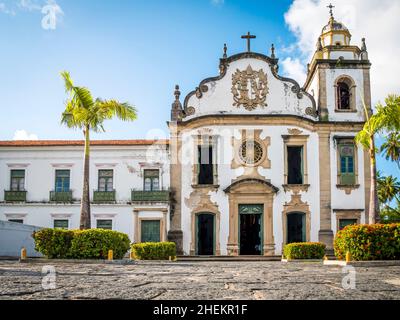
14	237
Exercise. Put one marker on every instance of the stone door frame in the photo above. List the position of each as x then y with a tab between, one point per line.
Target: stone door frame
251	191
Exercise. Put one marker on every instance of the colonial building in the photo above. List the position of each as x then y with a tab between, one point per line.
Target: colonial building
254	161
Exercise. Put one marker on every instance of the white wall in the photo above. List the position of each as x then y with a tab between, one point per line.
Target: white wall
40	163
276	175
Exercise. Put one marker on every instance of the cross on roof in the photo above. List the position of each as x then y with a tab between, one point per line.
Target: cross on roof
330	9
248	36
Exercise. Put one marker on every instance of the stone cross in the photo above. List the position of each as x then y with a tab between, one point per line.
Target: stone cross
330	9
248	36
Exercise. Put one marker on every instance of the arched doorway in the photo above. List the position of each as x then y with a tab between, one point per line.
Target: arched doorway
205	234
296	227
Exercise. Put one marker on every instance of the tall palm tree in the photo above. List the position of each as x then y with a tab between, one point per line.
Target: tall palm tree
391	148
386	119
87	114
366	137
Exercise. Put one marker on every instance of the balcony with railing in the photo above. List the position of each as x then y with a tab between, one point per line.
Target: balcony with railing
15	196
61	197
150	196
104	196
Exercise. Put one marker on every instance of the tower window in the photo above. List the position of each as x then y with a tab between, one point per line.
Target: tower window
343	96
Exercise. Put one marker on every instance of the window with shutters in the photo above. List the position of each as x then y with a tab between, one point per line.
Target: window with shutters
347	164
104	224
61	224
346	222
106	180
17	180
151	180
62	183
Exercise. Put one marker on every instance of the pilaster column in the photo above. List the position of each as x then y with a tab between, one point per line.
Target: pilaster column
136	226
175	233
325	232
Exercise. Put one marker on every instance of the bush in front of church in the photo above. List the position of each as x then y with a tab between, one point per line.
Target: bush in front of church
369	242
95	244
81	244
304	250
54	243
154	251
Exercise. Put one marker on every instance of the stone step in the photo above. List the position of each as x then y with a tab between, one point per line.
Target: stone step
235	258
229	258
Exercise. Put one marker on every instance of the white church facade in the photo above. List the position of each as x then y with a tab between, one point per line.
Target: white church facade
254	161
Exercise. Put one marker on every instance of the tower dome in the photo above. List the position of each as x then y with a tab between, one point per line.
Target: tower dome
335	33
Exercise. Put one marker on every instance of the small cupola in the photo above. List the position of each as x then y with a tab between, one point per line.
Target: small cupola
335	33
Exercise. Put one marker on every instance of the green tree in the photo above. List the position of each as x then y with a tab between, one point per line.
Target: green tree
391	148
366	137
388	189
386	119
87	114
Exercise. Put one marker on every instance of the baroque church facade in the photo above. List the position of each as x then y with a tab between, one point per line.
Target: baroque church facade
254	161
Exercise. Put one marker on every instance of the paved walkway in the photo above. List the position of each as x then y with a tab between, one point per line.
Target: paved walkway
198	280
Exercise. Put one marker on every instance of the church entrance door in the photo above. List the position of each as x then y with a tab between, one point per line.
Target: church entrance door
251	230
205	234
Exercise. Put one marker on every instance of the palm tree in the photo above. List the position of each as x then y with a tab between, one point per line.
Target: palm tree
391	148
388	189
84	113
386	119
366	137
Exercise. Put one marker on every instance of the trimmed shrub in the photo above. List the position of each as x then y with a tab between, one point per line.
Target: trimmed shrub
153	250
81	244
95	243
54	243
369	242
304	250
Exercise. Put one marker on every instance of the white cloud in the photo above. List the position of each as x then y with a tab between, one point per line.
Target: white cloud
6	10
217	2
376	21
29	5
294	69
24	135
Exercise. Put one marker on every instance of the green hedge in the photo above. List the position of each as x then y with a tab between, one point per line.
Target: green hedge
95	243
304	250
154	250
369	242
54	243
81	244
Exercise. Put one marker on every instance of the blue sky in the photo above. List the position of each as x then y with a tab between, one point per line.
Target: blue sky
131	50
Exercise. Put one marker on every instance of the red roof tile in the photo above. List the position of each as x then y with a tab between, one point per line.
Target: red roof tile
61	143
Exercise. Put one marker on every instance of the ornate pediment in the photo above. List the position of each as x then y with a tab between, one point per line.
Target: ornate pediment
249	83
251	186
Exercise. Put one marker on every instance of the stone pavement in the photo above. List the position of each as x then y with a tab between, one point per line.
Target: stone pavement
197	280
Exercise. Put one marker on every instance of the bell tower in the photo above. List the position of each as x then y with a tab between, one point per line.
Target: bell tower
338	75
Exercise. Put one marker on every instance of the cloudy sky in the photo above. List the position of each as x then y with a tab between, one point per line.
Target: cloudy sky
138	50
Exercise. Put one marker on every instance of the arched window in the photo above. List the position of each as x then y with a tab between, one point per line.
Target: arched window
345	92
343	96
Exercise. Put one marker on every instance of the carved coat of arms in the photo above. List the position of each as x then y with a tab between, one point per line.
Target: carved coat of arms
250	88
